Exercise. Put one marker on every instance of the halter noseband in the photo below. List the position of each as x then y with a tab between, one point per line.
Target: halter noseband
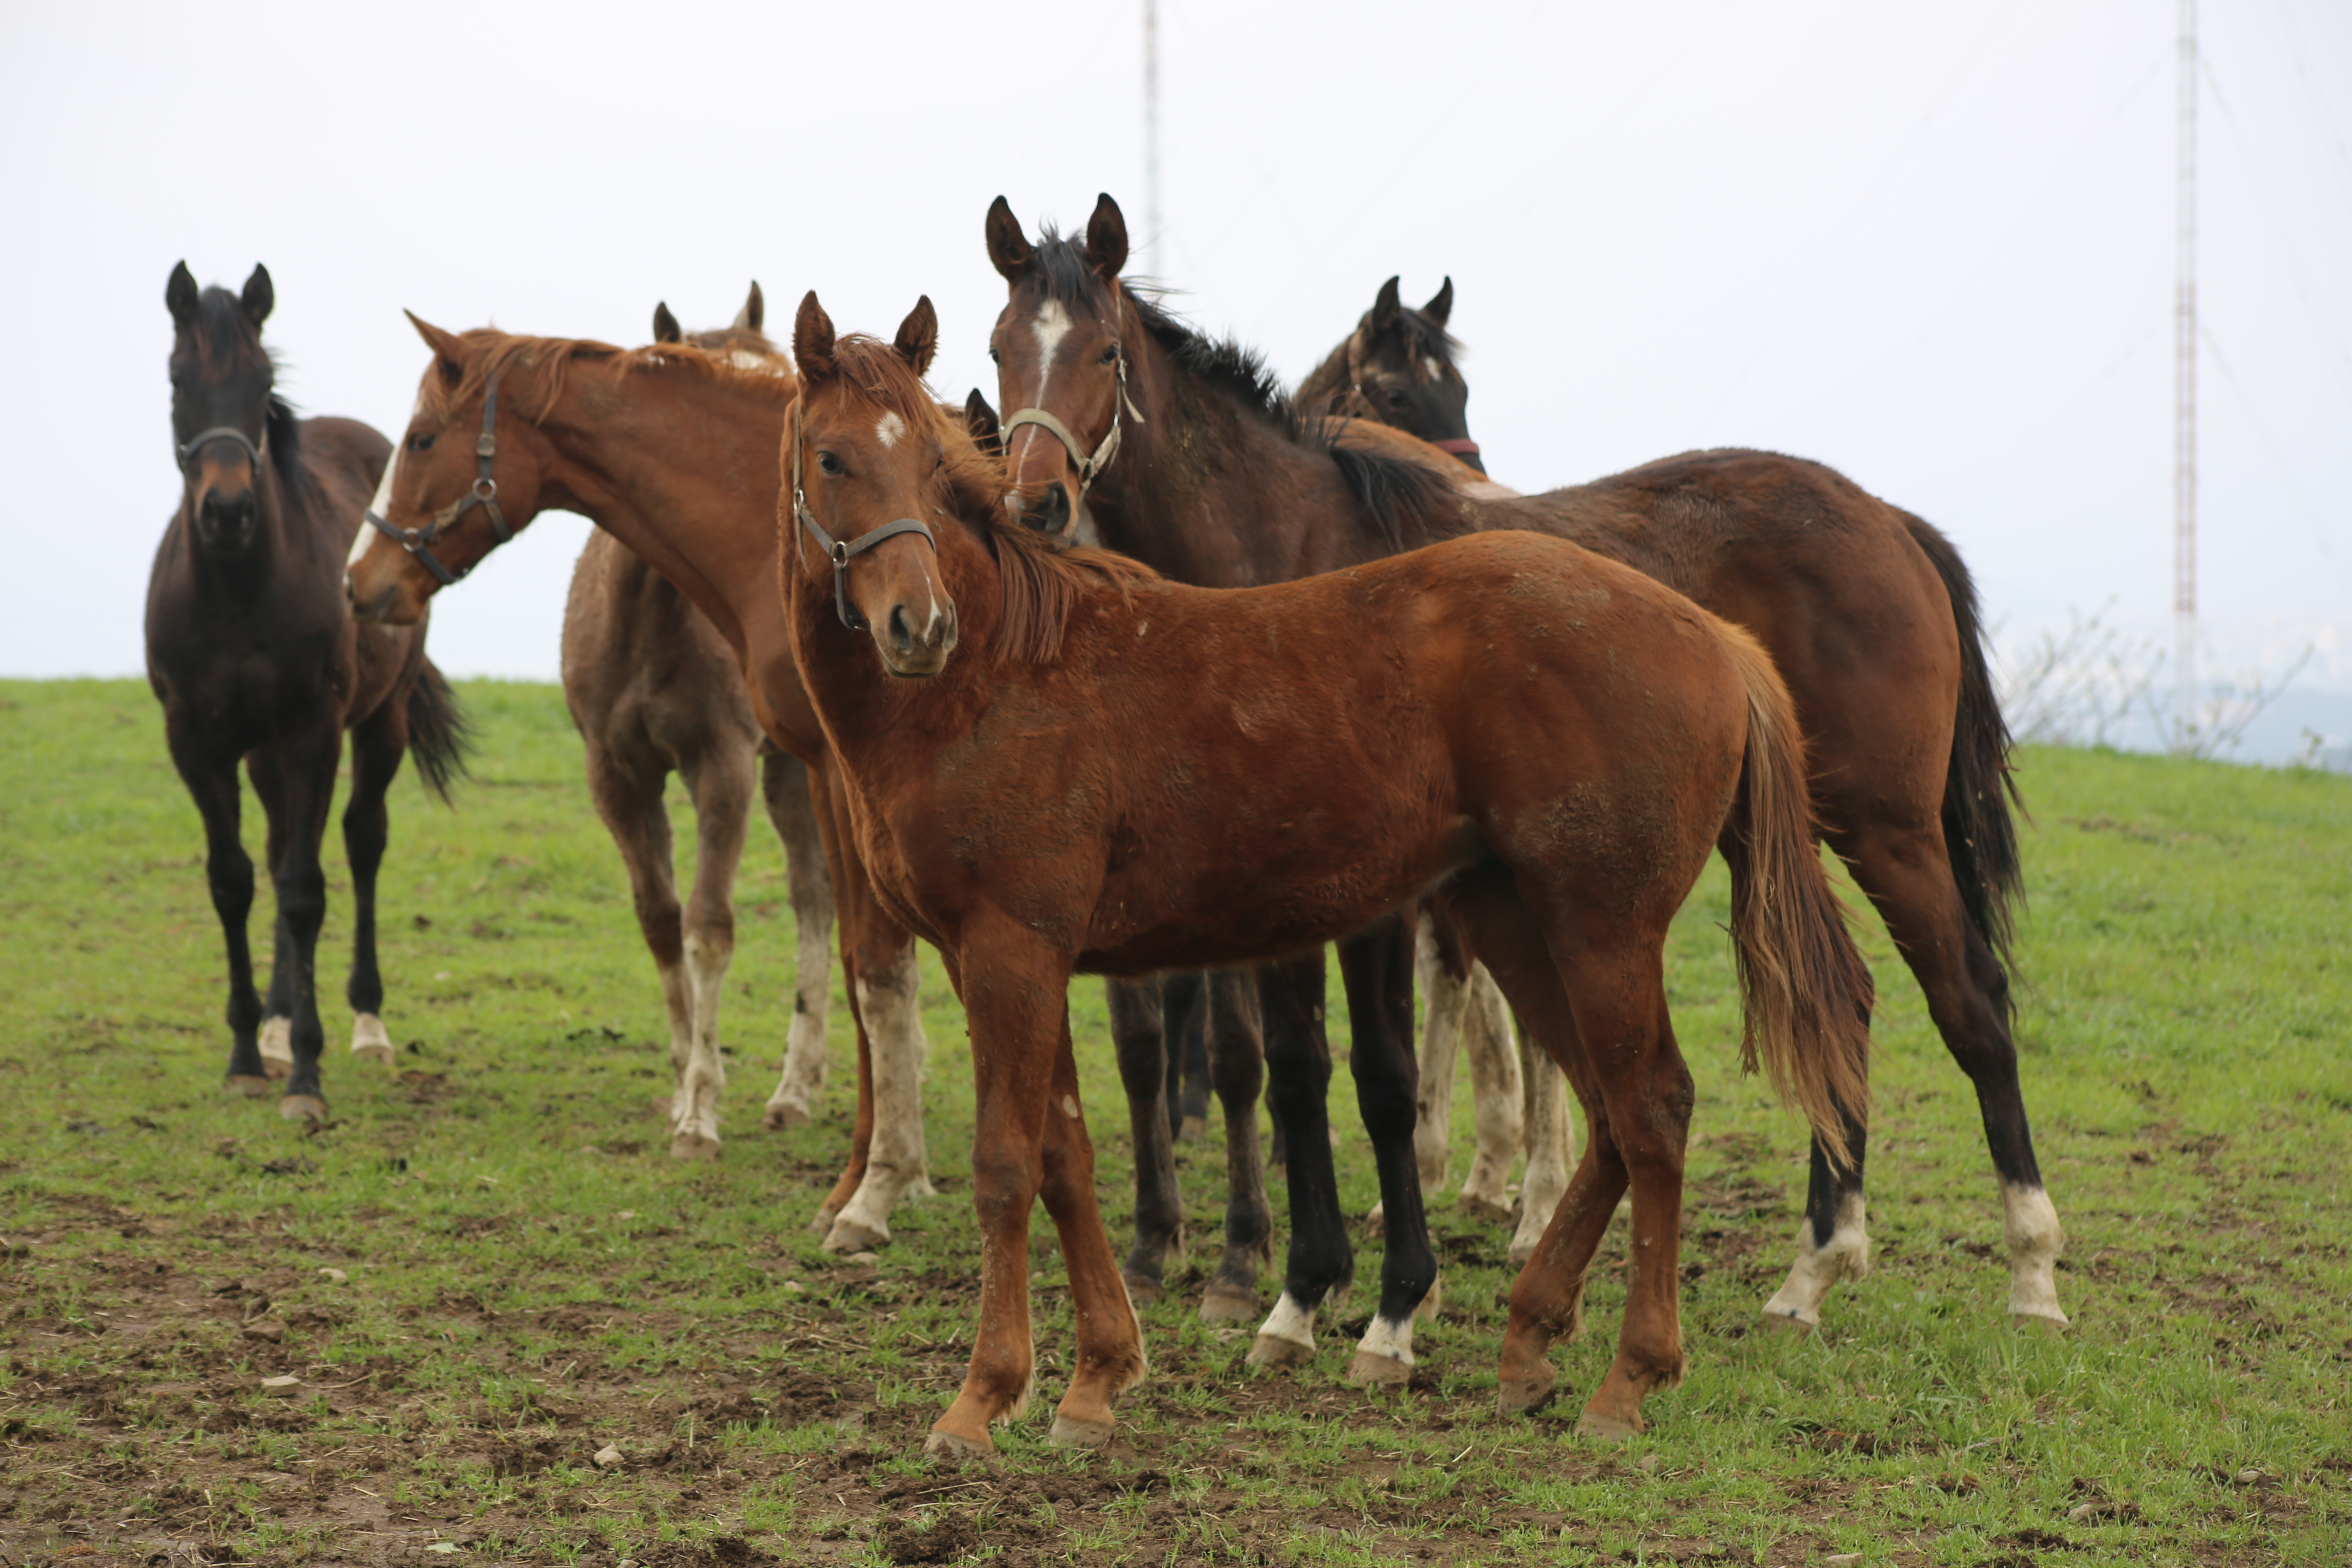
483	493
1090	465
839	551
202	439
1459	446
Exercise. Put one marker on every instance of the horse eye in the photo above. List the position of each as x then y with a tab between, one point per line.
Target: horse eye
1110	354
992	358
829	463
421	442
1396	399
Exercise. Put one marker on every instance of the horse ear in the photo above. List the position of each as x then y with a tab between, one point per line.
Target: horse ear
1441	304
448	353
1107	237
1387	307
665	327
181	295
258	297
1009	250
918	336
813	340
980	419
754	310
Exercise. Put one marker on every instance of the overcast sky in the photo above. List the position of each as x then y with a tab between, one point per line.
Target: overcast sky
1931	244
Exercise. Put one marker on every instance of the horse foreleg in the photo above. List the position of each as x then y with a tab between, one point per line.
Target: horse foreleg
627	793
1551	1145
211	783
1377	964
721	780
277	1036
896	1164
1110	1358
1299	1078
377	747
1140	1040
1497	1089
1185	1002
296	780
1237	1065
784	782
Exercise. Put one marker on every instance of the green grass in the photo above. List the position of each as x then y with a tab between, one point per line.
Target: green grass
529	1278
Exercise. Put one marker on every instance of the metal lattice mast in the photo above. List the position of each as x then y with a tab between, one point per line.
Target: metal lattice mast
2184	398
1151	132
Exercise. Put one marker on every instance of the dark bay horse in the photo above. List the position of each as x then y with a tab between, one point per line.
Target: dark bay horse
653	689
257	662
1398	367
672	450
1057	762
1868	610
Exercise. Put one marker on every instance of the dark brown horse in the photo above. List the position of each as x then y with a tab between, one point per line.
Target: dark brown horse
653	689
1868	612
1398	367
1057	762
257	662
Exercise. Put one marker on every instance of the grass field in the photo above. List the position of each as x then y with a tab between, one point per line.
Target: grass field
524	1278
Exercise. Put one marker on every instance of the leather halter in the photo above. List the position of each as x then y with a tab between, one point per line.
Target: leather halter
202	439
483	493
839	551
1459	446
1090	465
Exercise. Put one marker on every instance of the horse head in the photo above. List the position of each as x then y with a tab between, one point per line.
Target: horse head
221	404
1061	362
1398	368
864	462
451	492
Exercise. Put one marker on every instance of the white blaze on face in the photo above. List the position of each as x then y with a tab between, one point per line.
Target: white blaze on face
1436	371
1051	325
382	500
889	429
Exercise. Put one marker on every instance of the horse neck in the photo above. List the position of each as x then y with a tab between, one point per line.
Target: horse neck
1210	492
684	472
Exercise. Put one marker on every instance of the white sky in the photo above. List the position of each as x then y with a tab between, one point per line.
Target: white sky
1931	244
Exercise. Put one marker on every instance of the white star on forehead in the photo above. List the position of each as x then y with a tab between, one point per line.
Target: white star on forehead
888	429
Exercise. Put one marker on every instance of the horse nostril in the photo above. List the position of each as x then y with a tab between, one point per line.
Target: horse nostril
1056	515
901	636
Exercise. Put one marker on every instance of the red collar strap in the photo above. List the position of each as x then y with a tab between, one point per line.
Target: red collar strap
1461	446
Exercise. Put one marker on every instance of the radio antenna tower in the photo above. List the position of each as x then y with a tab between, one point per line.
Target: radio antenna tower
1151	228
2184	401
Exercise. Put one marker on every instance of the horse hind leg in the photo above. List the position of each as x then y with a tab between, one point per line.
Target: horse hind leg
377	747
1139	1041
785	786
1237	1065
1378	966
628	792
1499	1090
1550	1140
721	782
1444	992
1298	1078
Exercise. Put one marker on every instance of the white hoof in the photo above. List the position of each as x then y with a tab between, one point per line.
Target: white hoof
277	1047
370	1040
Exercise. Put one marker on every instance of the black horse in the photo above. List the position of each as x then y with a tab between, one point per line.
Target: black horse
255	656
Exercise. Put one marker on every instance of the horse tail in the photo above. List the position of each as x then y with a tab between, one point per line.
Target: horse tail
1804	986
1979	834
439	737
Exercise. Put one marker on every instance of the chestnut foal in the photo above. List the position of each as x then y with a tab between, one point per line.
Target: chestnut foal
1548	741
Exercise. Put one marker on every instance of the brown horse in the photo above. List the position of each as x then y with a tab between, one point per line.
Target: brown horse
1867	611
653	689
672	449
1551	740
257	661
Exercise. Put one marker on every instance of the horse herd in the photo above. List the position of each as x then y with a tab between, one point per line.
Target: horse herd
1166	676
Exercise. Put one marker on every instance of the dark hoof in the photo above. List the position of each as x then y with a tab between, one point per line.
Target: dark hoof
1522	1396
1226	1303
1144	1290
308	1109
1193	1127
249	1085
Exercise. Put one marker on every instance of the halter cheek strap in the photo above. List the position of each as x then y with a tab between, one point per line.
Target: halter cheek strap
483	493
1090	465
840	550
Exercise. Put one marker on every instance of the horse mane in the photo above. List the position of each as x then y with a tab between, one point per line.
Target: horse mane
534	371
1404	503
1039	583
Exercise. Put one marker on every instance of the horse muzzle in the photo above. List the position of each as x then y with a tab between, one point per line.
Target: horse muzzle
915	644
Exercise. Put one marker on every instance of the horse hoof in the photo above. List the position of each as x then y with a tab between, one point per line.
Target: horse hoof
2031	1323
304	1108
945	1444
693	1146
1069	1433
1143	1290
1521	1396
277	1047
1373	1371
1518	1255
785	1118
1224	1304
1788	1323
249	1085
1274	1352
371	1042
848	1235
1193	1127
1376	1223
1481	1207
824	1220
1608	1428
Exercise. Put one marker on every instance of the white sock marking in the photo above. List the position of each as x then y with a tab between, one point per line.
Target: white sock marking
1391	1341
1847	1257
1291	1322
2029	1225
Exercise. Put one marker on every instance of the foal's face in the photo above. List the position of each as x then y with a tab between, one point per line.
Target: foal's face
863	463
1407	378
221	378
435	464
1059	346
